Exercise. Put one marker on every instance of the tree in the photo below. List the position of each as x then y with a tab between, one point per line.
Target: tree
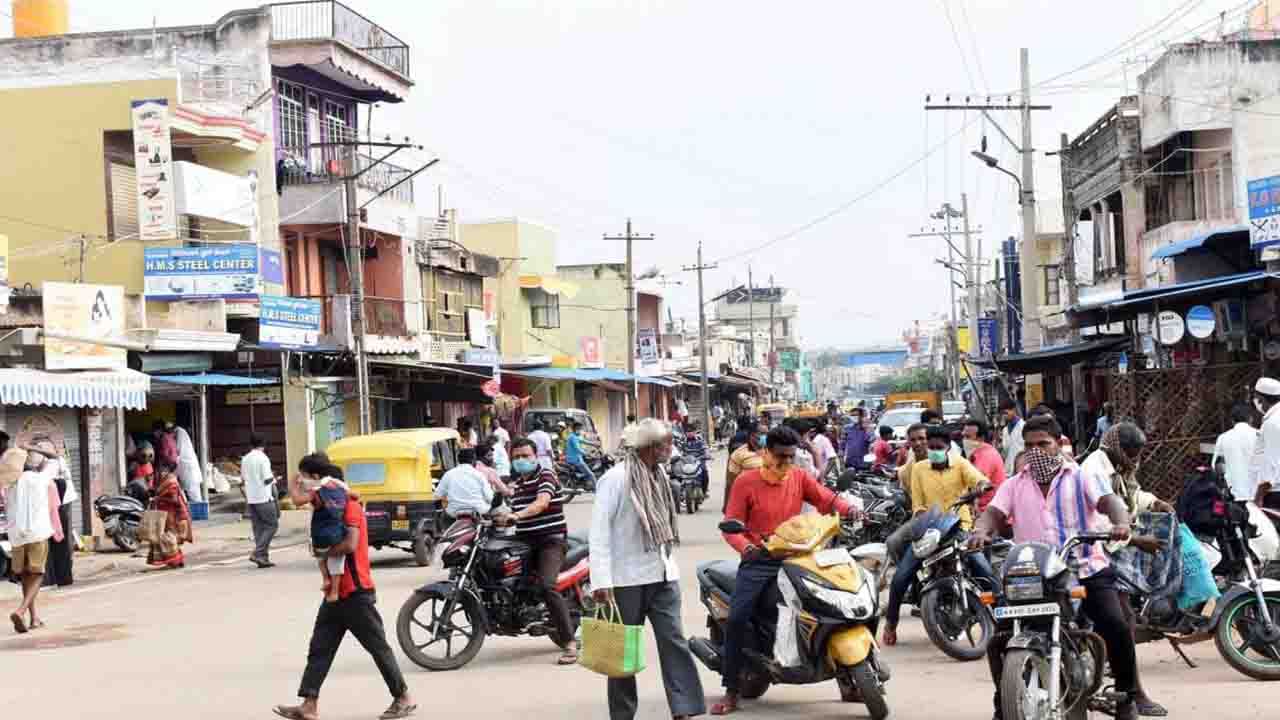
918	380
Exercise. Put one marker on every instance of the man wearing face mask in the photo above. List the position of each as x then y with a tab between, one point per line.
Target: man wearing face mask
763	499
1050	501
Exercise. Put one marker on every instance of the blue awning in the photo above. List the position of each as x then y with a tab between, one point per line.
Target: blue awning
575	374
1182	246
214	380
1187	289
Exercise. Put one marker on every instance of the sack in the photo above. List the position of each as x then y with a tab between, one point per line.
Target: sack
609	647
1198	585
153	526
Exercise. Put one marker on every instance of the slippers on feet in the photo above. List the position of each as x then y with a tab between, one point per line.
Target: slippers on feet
1150	709
19	625
725	707
398	711
292	713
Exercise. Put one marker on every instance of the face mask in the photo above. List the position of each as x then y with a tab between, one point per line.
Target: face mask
938	457
523	466
761	438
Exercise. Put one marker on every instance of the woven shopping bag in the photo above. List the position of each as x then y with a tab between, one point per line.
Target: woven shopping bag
609	647
153	526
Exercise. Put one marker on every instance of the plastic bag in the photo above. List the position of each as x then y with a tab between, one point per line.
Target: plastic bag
786	644
1147	574
1198	585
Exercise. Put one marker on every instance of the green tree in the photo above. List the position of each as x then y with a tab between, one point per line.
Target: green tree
917	380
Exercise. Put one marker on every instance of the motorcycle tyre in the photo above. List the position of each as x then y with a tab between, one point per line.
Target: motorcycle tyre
1012	688
753	685
423	549
126	541
953	650
1222	638
404	635
867	681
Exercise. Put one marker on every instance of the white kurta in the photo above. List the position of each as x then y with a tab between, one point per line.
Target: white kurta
189	475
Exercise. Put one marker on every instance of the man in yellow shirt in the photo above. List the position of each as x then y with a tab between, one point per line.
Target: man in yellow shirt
746	457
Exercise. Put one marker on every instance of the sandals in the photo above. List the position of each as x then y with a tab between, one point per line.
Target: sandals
397	710
568	657
36	625
1150	708
292	713
19	625
726	706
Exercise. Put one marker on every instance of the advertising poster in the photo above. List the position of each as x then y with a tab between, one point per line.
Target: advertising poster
89	311
153	161
1264	212
590	354
227	271
289	323
648	346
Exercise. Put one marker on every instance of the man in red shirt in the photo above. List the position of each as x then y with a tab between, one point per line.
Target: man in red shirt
355	611
983	455
763	499
882	448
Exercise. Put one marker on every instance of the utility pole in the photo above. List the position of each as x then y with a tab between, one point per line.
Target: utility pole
773	357
633	399
751	318
946	213
971	266
702	339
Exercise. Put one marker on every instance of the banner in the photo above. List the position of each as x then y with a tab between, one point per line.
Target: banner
272	266
228	271
89	311
153	162
988	337
590	352
289	323
1264	212
648	346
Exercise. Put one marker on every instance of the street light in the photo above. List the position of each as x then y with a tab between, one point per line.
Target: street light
993	163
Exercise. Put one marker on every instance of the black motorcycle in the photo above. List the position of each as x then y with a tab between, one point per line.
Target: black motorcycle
493	589
121	516
885	508
685	473
573	482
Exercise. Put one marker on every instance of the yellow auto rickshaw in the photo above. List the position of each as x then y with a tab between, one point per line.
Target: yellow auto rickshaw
775	412
394	472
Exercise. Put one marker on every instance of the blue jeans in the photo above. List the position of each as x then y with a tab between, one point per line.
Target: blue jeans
581	466
755	580
979	569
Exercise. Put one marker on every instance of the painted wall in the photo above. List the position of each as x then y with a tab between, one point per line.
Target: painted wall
535	245
599	309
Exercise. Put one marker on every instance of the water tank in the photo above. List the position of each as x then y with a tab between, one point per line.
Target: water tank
39	18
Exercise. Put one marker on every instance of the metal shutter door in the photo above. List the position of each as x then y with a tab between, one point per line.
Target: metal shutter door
124	201
68	420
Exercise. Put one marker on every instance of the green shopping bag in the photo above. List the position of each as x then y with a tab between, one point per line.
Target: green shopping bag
609	647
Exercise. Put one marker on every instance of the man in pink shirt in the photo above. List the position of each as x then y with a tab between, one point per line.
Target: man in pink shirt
1050	502
983	455
31	505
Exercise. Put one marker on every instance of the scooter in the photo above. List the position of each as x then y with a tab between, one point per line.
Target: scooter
825	629
121	517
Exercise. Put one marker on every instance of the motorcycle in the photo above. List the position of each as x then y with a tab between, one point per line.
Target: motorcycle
573	482
688	472
121	516
493	584
1053	665
826	629
886	509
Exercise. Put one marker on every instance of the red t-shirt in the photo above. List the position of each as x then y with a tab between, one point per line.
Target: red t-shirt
763	507
883	451
357	566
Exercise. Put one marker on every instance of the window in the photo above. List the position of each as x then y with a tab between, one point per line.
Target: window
454	294
293	118
365	473
1052	294
545	308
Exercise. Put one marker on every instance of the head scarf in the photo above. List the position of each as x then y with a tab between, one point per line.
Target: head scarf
1111	441
648	487
1043	466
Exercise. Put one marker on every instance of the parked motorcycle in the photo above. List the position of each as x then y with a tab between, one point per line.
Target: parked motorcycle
886	508
493	589
827	624
121	516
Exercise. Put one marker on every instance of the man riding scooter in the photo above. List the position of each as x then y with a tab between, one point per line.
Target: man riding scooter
762	499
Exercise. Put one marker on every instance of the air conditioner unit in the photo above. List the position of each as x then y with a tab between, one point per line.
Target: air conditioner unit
1229	317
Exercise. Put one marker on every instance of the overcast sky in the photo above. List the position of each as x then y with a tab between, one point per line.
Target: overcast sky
739	123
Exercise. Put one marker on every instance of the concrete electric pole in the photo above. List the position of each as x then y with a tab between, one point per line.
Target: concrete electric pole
702	341
633	398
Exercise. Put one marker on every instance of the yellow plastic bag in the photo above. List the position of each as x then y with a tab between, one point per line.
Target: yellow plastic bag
609	647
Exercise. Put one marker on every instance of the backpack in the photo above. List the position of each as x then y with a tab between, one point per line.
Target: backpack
1206	503
327	524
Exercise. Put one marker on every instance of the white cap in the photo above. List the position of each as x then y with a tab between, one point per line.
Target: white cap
1267	386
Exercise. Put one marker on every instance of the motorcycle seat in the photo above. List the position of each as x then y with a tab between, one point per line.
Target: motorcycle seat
722	574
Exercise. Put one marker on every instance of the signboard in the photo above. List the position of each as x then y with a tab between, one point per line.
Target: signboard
90	311
988	337
266	395
1201	322
1082	248
271	266
648	346
42	426
1170	327
153	161
962	338
289	323
481	357
477	328
590	352
1264	212
227	271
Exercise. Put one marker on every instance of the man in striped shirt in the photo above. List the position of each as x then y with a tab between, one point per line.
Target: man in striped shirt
538	514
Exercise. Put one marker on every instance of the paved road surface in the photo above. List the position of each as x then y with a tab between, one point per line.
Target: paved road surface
228	641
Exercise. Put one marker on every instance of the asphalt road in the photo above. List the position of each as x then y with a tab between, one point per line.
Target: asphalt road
229	641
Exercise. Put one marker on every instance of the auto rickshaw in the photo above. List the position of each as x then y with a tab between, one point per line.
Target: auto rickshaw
776	412
394	472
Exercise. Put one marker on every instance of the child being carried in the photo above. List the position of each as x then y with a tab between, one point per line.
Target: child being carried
328	529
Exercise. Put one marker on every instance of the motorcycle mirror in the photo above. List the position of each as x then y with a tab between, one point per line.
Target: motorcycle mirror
732	527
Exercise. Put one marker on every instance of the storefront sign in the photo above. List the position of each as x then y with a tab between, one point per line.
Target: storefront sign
481	357
477	328
590	353
1200	322
229	271
988	337
1264	212
4	272
1170	327
88	311
289	323
648	345
272	266
153	160
255	396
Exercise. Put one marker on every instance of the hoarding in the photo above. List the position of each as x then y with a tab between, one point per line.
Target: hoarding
153	162
226	271
88	311
1264	212
289	323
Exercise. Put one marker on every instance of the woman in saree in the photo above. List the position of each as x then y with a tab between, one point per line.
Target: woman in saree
168	497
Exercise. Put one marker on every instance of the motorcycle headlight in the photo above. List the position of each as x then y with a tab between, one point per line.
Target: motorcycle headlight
927	544
849	605
1021	589
689	468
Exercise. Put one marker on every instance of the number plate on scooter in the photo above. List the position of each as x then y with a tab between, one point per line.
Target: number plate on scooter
1022	611
833	556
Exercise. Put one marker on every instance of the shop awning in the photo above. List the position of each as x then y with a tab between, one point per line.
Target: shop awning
601	376
478	373
660	382
1186	290
1055	358
214	380
82	389
1197	242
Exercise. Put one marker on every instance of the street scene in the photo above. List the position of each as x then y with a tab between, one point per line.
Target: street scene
364	358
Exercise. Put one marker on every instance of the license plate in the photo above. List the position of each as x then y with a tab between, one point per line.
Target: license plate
833	556
1021	611
399	524
948	552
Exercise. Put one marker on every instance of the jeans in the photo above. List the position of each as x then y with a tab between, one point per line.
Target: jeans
660	603
585	470
357	614
979	569
265	519
757	580
550	551
1102	605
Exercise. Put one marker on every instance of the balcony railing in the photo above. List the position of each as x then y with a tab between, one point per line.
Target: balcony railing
329	20
304	164
382	316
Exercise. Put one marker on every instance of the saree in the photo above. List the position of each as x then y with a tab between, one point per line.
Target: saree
169	498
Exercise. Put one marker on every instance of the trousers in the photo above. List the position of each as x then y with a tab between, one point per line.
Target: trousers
757	579
550	551
659	603
265	519
357	614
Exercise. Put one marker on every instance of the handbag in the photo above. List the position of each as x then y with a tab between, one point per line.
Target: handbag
610	647
153	525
